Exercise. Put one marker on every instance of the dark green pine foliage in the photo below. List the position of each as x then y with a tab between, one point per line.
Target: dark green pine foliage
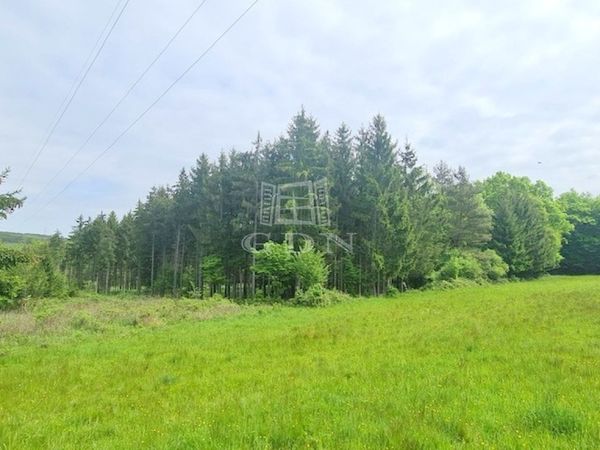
186	239
528	225
9	201
427	217
581	251
343	197
342	178
308	160
469	219
377	169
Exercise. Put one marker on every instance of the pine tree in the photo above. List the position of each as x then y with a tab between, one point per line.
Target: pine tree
529	224
376	168
10	200
469	220
582	247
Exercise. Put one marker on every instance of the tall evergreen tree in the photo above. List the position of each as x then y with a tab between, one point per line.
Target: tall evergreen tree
469	219
581	251
529	224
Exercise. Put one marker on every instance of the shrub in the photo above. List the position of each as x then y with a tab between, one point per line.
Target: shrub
444	285
472	265
317	295
309	267
285	270
392	291
460	265
11	286
29	272
276	263
11	283
492	264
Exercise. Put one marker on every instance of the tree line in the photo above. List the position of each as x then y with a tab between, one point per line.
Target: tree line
409	226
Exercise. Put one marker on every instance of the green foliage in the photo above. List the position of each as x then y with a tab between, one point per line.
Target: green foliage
275	262
31	271
10	257
317	295
11	287
9	238
492	265
212	270
184	239
468	219
392	291
475	265
8	201
581	251
188	283
529	224
460	265
457	283
309	267
285	271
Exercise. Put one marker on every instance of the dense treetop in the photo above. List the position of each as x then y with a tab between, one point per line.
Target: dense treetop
408	227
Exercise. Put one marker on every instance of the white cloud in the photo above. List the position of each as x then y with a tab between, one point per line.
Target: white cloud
496	86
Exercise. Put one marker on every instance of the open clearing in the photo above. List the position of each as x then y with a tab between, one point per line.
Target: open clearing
515	365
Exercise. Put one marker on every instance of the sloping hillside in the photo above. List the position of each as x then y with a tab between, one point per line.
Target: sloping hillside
7	237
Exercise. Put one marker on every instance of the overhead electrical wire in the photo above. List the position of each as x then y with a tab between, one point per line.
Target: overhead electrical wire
122	99
69	99
148	108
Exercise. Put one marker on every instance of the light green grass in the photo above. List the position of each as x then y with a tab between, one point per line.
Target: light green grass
507	366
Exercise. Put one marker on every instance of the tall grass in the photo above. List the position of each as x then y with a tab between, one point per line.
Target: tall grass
508	366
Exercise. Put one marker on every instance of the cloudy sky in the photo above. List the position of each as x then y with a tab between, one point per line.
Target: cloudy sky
509	85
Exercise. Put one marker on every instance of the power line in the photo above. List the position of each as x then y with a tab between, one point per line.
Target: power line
145	111
67	103
122	99
85	64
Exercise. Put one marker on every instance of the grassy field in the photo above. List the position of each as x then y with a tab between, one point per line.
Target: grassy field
510	366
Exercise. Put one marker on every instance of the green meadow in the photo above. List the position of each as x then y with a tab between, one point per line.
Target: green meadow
514	365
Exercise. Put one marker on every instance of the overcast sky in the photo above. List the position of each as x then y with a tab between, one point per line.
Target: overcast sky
511	86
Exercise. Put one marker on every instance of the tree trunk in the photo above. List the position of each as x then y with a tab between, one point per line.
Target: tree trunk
106	279
152	266
182	264
176	261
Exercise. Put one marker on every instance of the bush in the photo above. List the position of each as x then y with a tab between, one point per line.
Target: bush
460	265
276	263
29	272
392	291
285	270
492	264
445	285
309	267
478	266
11	286
317	295
11	283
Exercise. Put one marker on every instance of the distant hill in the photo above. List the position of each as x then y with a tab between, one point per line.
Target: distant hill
6	237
